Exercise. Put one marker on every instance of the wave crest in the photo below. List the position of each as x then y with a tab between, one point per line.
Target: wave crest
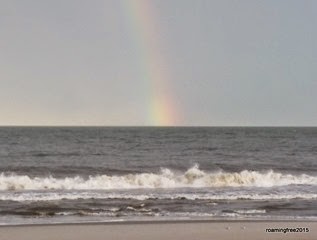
166	178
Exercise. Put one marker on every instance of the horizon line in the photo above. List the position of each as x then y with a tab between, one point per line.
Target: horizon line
166	126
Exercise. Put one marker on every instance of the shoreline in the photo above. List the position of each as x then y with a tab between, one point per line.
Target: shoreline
169	229
164	221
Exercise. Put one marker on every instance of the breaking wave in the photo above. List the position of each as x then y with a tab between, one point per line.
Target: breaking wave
166	178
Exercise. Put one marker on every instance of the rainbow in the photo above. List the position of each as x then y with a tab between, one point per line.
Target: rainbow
161	110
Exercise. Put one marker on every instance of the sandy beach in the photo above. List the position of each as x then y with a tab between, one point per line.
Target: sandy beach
182	230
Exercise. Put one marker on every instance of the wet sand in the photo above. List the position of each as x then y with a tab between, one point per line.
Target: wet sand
176	230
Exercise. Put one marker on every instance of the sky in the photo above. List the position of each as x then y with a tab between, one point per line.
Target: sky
158	63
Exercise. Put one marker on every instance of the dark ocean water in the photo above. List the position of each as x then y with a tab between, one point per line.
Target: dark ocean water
50	175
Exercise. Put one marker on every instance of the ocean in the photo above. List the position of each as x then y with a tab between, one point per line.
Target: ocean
106	174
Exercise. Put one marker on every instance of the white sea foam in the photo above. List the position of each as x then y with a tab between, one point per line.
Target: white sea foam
251	211
192	178
53	196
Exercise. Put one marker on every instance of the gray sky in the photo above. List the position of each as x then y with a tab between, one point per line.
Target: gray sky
224	62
